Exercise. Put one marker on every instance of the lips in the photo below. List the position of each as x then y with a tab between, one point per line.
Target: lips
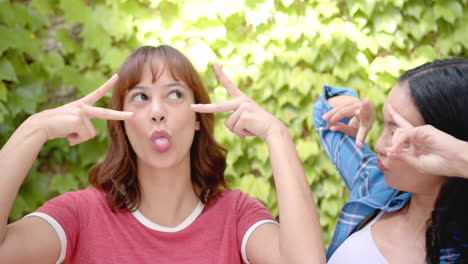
380	165
161	141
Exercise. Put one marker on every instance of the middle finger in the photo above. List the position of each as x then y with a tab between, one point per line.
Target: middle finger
220	107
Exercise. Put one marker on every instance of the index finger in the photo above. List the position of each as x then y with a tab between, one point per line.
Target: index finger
397	118
219	107
97	94
402	139
107	114
230	87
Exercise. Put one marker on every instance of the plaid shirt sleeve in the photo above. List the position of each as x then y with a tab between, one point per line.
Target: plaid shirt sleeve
348	159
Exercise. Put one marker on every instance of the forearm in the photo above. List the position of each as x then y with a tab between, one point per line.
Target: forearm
16	159
300	232
462	160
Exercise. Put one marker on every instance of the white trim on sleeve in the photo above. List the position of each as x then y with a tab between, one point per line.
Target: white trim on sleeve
247	236
60	232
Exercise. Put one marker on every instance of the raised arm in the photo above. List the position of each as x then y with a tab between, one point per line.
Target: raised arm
298	239
342	121
32	240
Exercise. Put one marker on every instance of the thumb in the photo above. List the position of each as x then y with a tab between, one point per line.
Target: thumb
405	156
366	112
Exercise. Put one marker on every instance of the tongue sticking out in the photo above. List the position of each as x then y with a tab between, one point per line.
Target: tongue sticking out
161	144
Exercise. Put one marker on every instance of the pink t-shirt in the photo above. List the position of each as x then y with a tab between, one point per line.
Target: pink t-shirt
91	233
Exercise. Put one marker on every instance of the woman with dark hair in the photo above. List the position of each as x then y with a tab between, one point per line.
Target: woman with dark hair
160	195
407	205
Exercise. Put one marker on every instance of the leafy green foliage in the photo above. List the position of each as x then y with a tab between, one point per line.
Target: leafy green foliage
280	52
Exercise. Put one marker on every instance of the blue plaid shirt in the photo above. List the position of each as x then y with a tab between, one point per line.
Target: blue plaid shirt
358	169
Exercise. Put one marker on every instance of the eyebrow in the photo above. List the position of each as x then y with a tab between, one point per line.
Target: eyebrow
389	122
169	85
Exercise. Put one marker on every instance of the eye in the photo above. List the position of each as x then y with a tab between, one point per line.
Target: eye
140	97
390	130
175	95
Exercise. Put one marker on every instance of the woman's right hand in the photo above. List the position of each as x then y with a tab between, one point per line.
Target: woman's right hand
32	240
361	114
72	121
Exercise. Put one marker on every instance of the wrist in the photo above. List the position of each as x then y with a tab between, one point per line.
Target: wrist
276	133
33	128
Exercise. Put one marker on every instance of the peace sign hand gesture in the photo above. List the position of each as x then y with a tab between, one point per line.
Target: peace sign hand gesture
248	119
361	113
72	121
427	149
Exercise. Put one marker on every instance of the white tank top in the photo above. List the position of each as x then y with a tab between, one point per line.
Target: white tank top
359	248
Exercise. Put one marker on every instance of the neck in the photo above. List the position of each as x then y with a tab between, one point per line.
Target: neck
167	194
419	210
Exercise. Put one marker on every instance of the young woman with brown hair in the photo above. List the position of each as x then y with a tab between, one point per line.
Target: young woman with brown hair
158	196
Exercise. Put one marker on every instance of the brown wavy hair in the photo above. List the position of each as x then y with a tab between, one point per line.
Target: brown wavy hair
116	176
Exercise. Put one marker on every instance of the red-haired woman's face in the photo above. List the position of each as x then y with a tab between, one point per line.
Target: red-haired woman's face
163	127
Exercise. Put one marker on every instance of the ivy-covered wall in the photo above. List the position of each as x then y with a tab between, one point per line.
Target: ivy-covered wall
280	52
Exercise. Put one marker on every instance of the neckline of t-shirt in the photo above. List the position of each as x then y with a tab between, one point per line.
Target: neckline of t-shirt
152	225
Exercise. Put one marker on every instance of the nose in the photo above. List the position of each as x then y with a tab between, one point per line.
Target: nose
381	144
158	112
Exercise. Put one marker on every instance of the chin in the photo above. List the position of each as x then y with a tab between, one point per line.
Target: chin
150	160
163	162
410	183
397	183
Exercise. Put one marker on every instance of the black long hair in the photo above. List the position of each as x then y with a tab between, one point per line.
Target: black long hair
440	92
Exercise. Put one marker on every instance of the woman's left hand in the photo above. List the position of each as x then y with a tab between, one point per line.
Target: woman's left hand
427	149
360	112
248	119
